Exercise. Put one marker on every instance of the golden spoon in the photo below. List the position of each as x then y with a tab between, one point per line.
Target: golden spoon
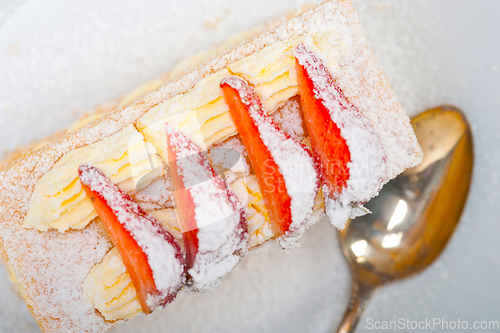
415	214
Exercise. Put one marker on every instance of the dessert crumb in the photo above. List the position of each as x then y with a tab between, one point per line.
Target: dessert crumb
14	49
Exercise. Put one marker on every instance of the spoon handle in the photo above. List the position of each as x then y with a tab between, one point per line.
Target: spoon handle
360	296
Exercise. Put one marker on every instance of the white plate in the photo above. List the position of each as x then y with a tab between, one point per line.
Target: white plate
59	58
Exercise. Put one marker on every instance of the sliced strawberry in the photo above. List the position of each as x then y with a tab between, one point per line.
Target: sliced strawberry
327	142
284	167
210	215
151	254
185	208
344	141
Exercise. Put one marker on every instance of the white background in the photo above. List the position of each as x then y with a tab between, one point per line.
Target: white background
60	58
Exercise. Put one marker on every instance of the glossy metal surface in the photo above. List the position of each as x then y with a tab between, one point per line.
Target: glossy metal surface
415	214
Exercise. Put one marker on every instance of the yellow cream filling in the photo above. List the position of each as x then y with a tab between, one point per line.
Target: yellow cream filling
59	200
201	113
110	289
259	227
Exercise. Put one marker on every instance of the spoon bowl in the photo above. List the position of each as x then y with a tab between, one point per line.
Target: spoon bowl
415	214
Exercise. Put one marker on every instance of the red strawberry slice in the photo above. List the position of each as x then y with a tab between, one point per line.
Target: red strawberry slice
270	179
185	208
151	254
210	215
285	170
344	141
327	142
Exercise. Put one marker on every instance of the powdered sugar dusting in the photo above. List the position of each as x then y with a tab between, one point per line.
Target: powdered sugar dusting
293	159
288	118
161	248
42	261
367	167
222	230
156	195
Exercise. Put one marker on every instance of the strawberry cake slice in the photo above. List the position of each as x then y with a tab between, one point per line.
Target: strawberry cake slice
166	189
